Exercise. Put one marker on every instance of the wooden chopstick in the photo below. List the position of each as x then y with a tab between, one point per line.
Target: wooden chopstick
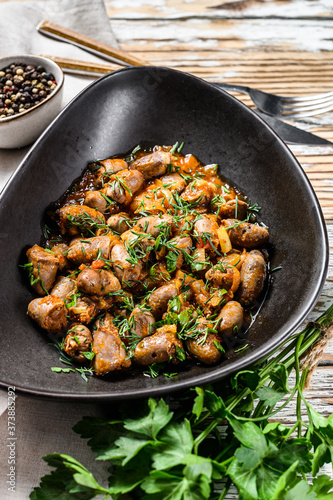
103	50
82	67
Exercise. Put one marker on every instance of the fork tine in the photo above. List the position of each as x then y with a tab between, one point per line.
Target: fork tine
284	106
316	111
313	97
307	107
314	102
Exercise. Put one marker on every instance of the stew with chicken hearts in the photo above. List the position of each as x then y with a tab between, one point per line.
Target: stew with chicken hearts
151	258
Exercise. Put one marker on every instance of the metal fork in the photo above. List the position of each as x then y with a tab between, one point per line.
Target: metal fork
282	106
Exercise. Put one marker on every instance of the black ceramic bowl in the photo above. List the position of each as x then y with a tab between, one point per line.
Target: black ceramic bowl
158	106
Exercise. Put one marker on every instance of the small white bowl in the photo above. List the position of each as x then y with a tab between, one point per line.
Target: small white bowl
24	128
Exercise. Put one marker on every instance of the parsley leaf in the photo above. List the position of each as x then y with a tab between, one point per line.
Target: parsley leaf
128	477
269	395
198	402
176	443
125	448
151	424
193	484
70	480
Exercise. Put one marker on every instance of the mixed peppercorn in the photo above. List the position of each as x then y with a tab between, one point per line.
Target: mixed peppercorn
23	86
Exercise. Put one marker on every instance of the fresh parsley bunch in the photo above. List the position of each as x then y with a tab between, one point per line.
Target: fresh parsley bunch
196	445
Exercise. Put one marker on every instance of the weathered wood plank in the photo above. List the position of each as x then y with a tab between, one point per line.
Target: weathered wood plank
173	9
277	73
218	57
268	73
247	35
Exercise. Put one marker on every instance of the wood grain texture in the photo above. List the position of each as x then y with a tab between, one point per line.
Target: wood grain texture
244	42
173	9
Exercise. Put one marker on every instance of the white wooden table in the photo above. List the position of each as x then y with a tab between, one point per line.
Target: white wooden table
280	46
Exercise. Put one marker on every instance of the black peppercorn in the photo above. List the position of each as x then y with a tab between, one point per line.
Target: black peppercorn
27	96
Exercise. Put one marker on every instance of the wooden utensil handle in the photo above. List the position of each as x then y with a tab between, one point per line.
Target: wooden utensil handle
85	66
90	43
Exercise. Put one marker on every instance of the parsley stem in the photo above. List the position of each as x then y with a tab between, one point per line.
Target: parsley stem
299	399
224	451
225	489
311	334
202	436
298	347
201	419
291	431
234	401
269	415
